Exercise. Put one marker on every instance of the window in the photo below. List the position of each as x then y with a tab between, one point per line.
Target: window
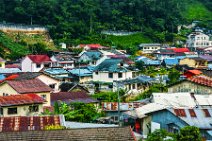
119	75
46	65
38	65
110	75
1	111
97	73
180	112
133	86
12	111
0	65
52	86
207	114
43	96
5	94
33	108
192	113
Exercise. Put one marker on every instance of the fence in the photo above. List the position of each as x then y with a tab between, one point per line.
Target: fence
22	28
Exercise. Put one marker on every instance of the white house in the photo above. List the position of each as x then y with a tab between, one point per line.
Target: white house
149	47
198	39
112	69
64	60
35	63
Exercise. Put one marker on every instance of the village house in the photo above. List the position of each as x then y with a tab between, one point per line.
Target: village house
115	69
198	84
173	111
35	63
82	74
195	62
57	73
148	48
209	60
135	85
64	60
91	46
21	105
191	73
2	63
163	54
198	39
90	57
204	50
11	87
170	62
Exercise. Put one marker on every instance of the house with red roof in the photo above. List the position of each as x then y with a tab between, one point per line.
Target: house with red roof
21	105
35	63
198	84
191	73
25	86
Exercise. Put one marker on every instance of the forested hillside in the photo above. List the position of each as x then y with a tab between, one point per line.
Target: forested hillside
70	19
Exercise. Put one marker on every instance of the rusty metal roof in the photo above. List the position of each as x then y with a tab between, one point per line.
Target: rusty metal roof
28	123
20	99
29	86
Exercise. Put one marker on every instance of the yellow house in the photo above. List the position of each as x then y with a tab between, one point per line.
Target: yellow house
21	105
2	63
195	62
12	87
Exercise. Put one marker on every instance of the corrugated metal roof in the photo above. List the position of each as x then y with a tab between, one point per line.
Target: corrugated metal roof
200	121
81	72
171	61
27	123
9	70
55	71
20	99
29	86
77	125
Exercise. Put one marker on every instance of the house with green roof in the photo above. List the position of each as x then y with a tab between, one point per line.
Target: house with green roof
113	69
90	57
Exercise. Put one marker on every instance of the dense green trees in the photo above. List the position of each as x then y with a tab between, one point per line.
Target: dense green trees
72	19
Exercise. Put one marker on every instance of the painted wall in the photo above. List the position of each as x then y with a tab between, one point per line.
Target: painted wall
48	81
2	64
103	76
187	86
23	110
7	89
192	63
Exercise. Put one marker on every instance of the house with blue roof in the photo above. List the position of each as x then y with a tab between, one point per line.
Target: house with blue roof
82	74
136	85
148	61
111	70
90	57
170	62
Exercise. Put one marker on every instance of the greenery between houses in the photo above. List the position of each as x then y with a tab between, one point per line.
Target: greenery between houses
188	133
79	112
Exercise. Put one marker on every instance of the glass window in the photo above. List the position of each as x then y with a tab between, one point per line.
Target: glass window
12	111
43	96
52	86
110	75
38	65
120	75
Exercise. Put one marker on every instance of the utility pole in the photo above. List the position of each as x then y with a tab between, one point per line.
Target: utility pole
118	103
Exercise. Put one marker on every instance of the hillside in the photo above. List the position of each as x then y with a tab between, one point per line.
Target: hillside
17	44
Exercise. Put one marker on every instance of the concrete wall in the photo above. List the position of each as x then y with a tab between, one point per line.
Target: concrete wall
187	86
48	81
103	76
23	110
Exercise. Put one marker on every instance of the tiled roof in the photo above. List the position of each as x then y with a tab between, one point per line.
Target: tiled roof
89	134
202	80
39	58
111	65
26	123
27	75
20	99
29	86
78	96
